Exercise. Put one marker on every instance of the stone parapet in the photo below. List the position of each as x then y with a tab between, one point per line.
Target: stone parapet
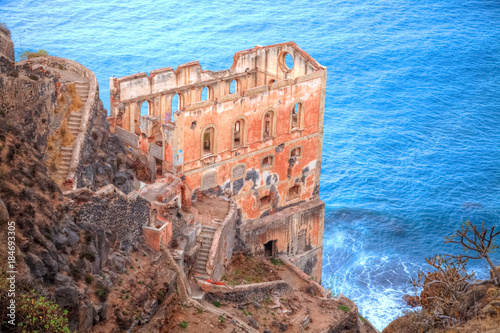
222	245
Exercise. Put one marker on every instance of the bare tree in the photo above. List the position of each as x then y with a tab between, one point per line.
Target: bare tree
442	288
478	242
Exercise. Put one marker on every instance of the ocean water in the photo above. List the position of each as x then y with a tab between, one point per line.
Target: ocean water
412	120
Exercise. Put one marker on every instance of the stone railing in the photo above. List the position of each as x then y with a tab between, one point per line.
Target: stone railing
222	245
318	289
242	293
90	77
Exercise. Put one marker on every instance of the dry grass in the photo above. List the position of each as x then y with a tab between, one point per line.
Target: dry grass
67	139
245	270
75	100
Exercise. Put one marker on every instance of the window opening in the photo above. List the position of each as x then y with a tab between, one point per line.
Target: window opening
267	161
208	141
204	94
265	201
237	134
233	87
294	191
176	105
295	115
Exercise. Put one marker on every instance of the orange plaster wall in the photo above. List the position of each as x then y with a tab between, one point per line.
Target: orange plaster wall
252	109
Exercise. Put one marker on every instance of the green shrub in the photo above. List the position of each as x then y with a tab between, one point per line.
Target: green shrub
217	304
222	319
344	308
102	293
26	55
277	262
37	314
89	279
183	324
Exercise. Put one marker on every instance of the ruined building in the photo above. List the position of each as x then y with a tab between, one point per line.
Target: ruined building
252	133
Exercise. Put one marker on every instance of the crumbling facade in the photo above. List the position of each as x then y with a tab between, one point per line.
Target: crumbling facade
253	132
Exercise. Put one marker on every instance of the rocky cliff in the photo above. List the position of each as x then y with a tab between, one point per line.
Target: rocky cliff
59	255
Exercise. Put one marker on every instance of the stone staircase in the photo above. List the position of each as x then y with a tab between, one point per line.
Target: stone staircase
75	119
207	236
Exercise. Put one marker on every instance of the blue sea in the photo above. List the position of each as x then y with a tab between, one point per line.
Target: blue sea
412	120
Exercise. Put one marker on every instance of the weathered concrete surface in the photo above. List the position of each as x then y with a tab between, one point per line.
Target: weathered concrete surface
298	232
256	292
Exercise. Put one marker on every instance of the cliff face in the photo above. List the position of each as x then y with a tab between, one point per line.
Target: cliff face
6	44
104	159
70	261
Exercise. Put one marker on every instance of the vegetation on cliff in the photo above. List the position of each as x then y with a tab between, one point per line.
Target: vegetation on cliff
451	297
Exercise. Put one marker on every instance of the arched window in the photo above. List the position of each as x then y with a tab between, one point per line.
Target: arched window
145	111
233	87
239	134
205	94
268	125
208	140
175	105
145	108
296	115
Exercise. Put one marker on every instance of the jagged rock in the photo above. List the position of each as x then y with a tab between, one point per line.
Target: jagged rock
67	296
305	322
103	246
118	263
6	45
252	322
4	213
60	240
52	268
283	327
36	266
86	317
61	279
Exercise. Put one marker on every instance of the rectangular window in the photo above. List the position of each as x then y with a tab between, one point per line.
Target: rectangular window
237	134
296	152
267	162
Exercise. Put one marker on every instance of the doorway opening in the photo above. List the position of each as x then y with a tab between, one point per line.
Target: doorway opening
270	248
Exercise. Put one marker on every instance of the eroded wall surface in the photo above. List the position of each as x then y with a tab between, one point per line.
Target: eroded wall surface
256	135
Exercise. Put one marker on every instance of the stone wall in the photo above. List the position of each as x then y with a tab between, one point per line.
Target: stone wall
297	232
223	245
256	292
109	208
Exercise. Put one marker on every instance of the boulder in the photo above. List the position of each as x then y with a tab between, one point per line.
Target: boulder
36	266
67	296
